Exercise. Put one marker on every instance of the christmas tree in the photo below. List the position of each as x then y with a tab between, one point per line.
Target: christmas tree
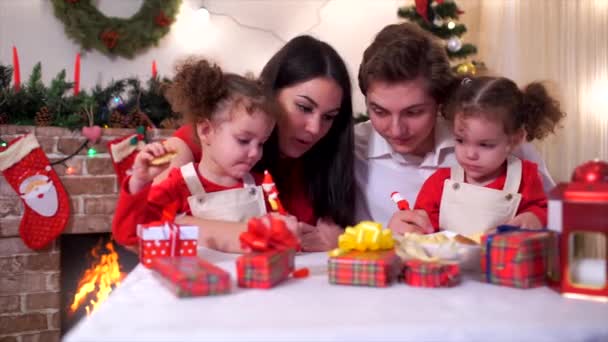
440	17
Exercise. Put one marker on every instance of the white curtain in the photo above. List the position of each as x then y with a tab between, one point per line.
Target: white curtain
564	42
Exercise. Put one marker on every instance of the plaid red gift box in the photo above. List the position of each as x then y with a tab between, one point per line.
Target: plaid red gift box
371	268
192	276
165	239
264	269
431	273
516	257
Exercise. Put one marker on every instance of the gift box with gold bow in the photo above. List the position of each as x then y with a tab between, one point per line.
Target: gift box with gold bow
364	257
165	239
191	276
516	257
272	257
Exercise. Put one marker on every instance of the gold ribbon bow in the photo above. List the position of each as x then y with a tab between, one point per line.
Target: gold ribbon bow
365	236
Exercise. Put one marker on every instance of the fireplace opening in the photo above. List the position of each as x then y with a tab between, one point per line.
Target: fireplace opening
92	265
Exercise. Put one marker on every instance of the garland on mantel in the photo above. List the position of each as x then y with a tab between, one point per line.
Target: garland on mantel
90	28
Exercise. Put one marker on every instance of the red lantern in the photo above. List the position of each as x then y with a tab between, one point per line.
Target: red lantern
579	212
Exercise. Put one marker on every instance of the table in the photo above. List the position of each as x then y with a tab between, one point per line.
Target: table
141	309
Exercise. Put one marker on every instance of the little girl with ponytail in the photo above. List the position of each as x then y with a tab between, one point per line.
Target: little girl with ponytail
490	117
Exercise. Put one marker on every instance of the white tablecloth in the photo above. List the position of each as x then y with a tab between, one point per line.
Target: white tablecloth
141	309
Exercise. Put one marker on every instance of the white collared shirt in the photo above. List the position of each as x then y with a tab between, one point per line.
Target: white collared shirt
379	170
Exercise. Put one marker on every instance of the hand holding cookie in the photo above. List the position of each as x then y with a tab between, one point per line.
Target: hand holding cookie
153	159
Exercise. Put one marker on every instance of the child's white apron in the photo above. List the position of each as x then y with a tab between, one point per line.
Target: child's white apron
471	209
234	205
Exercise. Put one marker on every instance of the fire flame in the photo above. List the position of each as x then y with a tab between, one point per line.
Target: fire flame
99	280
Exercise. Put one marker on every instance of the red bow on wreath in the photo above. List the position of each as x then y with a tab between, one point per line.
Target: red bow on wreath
162	20
260	237
110	38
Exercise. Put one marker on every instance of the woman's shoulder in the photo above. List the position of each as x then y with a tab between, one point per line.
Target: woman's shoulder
186	134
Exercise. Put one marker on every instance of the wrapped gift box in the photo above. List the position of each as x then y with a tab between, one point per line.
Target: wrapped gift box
264	269
164	240
431	273
516	257
191	276
371	268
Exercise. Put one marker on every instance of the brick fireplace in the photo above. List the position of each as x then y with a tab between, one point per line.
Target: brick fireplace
30	286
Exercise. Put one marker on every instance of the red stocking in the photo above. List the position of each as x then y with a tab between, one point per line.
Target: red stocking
47	207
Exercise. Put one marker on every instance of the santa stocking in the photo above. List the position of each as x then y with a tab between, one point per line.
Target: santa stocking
47	208
123	152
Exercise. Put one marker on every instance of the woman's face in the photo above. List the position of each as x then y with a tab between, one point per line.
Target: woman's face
309	111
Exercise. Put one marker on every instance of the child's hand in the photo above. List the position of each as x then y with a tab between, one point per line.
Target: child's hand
414	221
291	222
526	221
143	171
319	238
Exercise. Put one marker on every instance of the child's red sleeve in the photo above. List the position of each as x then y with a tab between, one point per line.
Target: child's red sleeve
533	197
143	207
429	196
130	211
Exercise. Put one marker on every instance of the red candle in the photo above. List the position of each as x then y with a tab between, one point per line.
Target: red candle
77	75
16	70
154	71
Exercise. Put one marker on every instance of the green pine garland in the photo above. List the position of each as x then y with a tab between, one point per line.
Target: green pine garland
20	107
90	28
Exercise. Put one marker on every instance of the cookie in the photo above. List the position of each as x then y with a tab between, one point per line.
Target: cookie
164	159
464	240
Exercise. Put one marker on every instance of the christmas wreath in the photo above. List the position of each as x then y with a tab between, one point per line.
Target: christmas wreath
89	27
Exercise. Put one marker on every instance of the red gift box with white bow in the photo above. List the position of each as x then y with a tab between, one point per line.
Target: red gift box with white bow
157	240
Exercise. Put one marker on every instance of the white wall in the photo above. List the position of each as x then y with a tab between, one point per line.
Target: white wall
348	25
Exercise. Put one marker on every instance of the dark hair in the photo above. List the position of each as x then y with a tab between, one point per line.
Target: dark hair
404	52
201	90
499	98
328	165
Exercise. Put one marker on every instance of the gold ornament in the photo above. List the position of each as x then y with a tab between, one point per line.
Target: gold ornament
467	68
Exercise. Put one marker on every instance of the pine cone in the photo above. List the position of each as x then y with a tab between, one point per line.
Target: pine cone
136	119
3	118
43	117
116	119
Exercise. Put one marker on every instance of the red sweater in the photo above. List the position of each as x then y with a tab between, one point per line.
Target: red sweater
533	197
294	195
148	204
187	135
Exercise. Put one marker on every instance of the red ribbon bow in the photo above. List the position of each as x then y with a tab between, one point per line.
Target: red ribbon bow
260	237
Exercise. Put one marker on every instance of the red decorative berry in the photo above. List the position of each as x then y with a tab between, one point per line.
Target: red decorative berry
301	273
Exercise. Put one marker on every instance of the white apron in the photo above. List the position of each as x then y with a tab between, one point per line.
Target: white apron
471	209
234	205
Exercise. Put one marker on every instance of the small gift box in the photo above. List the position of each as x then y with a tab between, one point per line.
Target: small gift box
431	273
264	269
365	256
273	253
516	257
165	239
192	276
371	268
